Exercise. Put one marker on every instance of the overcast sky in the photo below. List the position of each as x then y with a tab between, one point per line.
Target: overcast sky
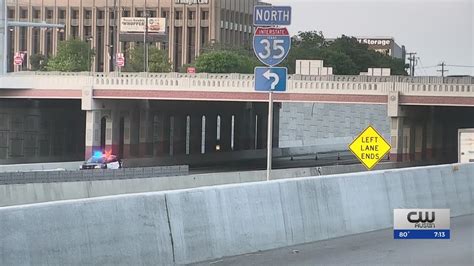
438	30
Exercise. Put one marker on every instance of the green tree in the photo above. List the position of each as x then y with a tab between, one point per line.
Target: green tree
346	55
73	56
158	61
38	62
226	61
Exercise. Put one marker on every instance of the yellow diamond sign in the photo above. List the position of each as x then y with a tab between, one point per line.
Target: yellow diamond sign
370	147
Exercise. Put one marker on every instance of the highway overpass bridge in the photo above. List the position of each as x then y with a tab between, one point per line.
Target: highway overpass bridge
142	115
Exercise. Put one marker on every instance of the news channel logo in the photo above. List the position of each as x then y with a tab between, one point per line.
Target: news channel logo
421	224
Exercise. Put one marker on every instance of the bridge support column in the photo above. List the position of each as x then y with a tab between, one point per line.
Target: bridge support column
396	136
211	133
112	134
195	135
92	133
408	153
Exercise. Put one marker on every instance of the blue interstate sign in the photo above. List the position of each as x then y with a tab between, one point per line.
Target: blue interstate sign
271	45
270	78
272	15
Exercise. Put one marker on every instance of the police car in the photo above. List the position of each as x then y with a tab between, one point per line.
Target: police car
102	161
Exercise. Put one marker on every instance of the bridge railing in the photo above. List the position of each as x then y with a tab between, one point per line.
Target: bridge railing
425	86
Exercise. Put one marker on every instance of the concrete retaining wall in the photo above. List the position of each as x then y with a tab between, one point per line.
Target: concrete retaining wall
212	222
126	230
16	194
306	124
215	222
67	166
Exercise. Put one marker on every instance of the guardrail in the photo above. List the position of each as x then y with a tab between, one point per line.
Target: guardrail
337	78
8	178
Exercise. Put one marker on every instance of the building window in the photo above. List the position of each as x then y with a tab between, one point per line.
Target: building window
191	46
178	14
100	14
204	15
49	13
191	14
126	13
75	14
74	31
36	14
87	32
24	13
139	12
23	39
48	42
152	13
204	36
36	41
61	35
11	13
62	14
87	14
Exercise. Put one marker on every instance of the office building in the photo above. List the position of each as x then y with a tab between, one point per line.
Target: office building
190	26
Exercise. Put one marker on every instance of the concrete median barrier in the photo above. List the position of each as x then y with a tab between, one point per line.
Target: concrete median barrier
124	230
208	223
214	222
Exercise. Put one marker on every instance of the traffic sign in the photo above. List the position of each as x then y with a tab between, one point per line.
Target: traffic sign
271	45
370	147
191	70
272	15
120	60
270	78
18	59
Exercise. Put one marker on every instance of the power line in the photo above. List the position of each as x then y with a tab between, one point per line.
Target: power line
460	66
422	68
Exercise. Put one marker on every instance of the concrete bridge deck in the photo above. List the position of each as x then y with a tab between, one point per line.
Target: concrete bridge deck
238	87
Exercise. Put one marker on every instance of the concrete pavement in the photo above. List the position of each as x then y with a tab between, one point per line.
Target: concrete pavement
374	248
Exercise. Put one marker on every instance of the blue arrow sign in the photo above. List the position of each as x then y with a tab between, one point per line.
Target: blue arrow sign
270	78
272	15
271	45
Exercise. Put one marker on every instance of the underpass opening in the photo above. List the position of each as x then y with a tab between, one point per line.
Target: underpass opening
36	131
429	133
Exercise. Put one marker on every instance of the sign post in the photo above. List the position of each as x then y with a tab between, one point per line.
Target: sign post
271	45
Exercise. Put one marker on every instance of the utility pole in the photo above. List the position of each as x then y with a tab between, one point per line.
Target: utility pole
412	59
443	70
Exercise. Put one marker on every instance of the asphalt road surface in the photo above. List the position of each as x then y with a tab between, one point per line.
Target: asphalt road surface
374	248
